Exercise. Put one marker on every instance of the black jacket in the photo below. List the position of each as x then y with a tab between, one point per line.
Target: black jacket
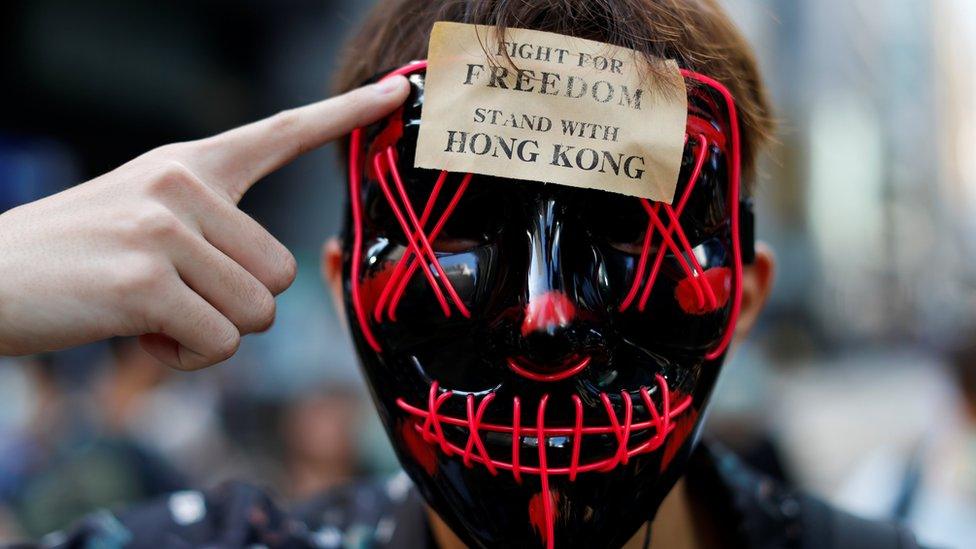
750	511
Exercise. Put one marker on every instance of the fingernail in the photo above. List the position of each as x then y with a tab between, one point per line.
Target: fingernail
388	85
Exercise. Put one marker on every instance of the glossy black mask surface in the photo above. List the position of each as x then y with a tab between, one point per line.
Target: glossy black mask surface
541	338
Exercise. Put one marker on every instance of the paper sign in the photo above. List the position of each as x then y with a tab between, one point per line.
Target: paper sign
557	109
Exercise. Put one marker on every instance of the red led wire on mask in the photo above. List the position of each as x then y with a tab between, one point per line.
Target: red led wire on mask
430	423
421	252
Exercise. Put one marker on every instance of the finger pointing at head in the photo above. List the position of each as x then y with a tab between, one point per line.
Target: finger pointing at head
236	159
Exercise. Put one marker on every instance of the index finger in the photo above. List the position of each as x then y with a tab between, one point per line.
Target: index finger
237	158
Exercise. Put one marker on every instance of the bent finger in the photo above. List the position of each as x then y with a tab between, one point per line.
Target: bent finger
232	290
200	336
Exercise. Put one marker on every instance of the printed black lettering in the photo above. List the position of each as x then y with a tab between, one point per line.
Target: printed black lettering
473	145
497	79
549	79
594	157
614	162
521	80
472	73
508	147
635	173
625	97
572	83
596	91
572	127
453	138
559	157
530	156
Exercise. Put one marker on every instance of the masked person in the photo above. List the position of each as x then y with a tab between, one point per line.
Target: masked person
541	356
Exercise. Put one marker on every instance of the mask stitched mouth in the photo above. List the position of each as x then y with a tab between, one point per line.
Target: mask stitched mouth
470	437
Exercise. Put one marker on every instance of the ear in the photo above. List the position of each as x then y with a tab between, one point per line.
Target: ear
757	282
332	271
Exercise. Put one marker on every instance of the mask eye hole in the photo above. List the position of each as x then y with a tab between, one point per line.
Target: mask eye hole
476	219
616	220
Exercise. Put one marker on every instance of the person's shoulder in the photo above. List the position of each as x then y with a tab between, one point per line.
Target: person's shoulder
373	509
237	514
769	514
232	514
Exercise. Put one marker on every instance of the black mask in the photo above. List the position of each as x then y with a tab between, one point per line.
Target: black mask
491	313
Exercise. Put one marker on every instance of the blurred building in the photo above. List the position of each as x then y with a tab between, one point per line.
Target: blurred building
868	199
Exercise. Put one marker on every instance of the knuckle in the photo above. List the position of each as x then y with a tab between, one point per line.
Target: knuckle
172	178
143	275
264	312
151	224
286	272
227	346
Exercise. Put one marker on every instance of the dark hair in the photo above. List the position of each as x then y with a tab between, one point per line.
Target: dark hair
696	33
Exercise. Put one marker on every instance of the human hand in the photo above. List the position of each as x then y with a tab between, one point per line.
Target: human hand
158	248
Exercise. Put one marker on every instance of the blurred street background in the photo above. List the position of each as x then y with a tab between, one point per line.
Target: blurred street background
859	383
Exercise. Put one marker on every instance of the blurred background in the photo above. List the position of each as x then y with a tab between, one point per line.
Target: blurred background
858	385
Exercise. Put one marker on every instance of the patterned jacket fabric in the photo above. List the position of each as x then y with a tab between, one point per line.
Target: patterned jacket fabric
748	510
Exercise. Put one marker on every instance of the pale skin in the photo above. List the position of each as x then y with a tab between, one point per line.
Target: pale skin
157	248
679	523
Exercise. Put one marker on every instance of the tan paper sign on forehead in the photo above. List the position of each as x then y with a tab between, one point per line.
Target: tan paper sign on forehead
558	109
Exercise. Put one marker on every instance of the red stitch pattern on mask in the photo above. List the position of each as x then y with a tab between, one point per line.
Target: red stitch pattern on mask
391	159
432	430
398	270
701	289
355	200
734	184
685	257
414	261
355	141
621	433
697	279
544	472
409	233
355	171
516	438
661	421
653	224
474	432
577	437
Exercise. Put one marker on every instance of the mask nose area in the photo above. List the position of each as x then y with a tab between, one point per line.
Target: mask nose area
548	353
547	349
547	313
